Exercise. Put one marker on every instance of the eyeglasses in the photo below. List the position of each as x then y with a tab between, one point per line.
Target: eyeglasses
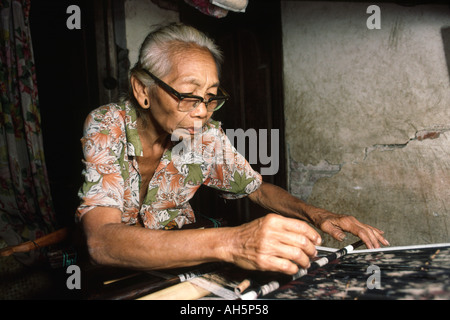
188	102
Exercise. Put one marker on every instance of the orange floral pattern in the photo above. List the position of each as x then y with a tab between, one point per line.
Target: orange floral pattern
111	144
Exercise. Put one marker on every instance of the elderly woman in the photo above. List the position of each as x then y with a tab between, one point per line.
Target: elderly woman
134	200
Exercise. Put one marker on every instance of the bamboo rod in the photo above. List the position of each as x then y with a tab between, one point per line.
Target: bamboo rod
387	249
181	291
49	239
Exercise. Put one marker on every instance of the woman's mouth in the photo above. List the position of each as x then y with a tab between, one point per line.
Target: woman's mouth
192	130
185	133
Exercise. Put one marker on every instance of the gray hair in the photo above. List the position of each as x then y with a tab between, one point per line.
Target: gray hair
161	45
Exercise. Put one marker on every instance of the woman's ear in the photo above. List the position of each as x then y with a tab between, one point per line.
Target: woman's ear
140	92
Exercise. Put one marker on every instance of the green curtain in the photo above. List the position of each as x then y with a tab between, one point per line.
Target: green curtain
26	210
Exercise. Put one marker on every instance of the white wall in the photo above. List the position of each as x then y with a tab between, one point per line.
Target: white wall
140	17
355	102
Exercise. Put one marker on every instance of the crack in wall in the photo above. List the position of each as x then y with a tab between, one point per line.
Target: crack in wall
302	178
420	135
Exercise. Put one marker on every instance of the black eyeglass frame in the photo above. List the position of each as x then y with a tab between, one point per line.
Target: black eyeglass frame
181	96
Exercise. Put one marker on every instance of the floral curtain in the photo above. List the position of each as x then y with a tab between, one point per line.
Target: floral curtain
26	211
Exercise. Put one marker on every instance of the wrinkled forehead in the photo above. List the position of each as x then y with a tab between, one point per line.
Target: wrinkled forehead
192	59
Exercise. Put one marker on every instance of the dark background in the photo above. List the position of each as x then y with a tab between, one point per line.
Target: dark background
70	66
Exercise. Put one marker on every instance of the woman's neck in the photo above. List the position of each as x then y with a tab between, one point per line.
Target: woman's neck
151	136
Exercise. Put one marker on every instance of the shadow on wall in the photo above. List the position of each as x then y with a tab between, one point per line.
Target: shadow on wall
445	32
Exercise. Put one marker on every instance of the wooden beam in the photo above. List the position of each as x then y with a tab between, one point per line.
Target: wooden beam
47	240
181	291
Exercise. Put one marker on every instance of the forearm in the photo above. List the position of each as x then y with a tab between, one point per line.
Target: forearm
271	243
276	199
134	247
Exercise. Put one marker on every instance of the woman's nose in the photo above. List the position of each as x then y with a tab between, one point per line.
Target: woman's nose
200	111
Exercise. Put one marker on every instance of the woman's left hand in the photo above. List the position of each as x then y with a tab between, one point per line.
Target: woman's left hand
337	224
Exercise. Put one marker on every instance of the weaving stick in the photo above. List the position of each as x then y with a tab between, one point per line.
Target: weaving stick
275	284
142	289
398	248
192	289
181	291
49	239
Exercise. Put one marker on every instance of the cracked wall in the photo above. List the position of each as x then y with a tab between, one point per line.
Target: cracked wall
368	115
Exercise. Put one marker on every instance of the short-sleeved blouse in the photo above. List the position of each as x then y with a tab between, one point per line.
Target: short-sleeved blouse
111	144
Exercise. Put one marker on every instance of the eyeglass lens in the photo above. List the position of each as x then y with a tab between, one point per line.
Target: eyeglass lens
188	104
212	104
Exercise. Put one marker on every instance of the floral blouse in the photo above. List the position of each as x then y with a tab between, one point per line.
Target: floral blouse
110	145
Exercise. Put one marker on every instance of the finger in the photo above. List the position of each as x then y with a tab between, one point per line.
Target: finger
277	256
333	230
383	240
300	227
299	256
278	264
290	246
378	234
371	238
378	230
298	250
295	242
337	233
368	234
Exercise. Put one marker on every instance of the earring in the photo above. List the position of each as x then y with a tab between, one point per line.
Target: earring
146	102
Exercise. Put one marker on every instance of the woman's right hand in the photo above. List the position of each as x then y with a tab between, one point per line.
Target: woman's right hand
274	243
